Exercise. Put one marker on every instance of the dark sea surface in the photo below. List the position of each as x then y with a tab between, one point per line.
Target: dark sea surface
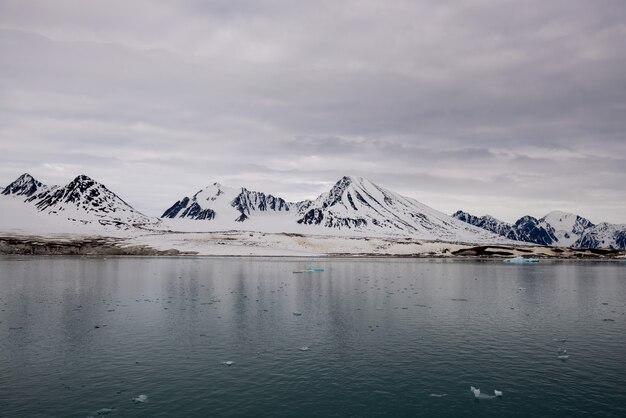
386	338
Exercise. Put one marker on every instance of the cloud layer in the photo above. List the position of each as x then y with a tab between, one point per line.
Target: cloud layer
499	107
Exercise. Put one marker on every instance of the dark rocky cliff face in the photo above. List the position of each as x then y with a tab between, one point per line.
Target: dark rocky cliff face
83	199
539	231
24	185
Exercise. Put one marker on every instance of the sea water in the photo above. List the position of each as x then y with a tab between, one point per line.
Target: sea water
201	336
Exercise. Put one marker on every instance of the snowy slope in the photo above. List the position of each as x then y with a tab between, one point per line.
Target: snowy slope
603	235
489	223
217	201
355	203
24	185
83	201
525	229
353	207
568	227
557	228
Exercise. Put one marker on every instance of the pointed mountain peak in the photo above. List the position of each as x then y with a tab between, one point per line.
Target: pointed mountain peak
348	180
25	185
211	192
83	178
558	214
81	183
26	177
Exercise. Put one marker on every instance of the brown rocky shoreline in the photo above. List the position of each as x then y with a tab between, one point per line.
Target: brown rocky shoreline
112	246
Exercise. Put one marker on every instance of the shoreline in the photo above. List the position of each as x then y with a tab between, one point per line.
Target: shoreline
280	246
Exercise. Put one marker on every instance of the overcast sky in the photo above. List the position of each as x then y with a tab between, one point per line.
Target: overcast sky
491	106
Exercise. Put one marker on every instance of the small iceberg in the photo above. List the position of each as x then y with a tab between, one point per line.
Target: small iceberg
297	313
497	392
140	399
437	395
304	348
104	411
311	269
478	395
563	357
521	260
228	363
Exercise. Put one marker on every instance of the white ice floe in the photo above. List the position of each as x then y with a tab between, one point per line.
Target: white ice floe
104	411
304	348
140	399
296	313
228	363
563	356
497	392
437	395
521	260
478	395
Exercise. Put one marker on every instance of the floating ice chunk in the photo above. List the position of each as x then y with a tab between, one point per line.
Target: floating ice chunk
437	395
497	392
140	399
563	357
104	411
296	313
304	348
478	395
521	260
228	363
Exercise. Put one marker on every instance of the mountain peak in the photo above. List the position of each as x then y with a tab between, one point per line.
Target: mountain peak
24	185
558	214
83	178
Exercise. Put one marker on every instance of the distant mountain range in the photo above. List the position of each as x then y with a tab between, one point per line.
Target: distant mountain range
559	229
353	206
82	201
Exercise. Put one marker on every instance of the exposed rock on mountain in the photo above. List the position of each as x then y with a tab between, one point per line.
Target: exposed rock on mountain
24	185
217	200
603	235
356	203
556	229
83	200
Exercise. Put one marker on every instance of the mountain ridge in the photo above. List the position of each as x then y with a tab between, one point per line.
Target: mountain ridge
352	206
557	228
83	200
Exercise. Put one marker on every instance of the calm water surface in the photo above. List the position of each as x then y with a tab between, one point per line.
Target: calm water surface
386	338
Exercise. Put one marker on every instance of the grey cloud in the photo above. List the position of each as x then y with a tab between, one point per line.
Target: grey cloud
499	106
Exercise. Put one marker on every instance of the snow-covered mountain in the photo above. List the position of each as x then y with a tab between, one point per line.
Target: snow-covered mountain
357	203
217	201
489	223
24	185
557	228
568	227
83	201
603	235
353	206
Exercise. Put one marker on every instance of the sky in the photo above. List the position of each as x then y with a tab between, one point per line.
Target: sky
494	107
